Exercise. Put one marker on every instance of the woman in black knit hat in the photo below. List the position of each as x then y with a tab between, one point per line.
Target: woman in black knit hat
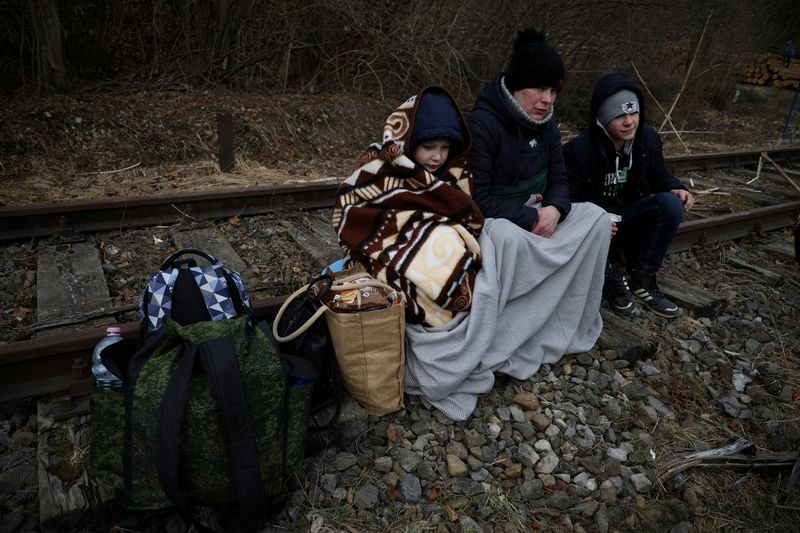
516	157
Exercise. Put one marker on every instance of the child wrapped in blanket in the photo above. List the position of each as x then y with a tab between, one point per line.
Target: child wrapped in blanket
406	213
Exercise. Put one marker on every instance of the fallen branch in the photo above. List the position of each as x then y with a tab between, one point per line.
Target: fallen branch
734	455
780	170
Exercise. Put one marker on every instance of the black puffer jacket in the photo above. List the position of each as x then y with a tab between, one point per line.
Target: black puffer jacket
506	151
590	154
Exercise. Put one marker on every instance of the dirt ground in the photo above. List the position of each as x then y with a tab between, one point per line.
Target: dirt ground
82	146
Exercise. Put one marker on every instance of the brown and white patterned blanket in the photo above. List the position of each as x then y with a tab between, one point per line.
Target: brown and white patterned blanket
409	228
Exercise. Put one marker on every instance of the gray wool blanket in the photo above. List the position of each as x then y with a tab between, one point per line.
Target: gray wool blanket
535	300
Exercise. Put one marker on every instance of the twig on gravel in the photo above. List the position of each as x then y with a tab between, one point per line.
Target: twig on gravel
113	171
184	214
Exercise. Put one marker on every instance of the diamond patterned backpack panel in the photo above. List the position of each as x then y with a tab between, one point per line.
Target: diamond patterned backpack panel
187	292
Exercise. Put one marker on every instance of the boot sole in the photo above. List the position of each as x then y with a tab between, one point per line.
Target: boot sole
663	314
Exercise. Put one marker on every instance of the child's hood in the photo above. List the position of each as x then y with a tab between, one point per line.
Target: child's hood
438	122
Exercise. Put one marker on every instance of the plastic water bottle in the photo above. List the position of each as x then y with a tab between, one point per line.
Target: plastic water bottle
106	381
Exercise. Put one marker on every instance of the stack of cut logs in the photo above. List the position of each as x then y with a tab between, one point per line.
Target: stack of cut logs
771	69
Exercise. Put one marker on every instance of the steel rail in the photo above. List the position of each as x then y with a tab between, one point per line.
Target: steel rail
60	365
41	220
684	163
735	225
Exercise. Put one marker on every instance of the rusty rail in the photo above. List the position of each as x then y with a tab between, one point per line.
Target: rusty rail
59	366
25	222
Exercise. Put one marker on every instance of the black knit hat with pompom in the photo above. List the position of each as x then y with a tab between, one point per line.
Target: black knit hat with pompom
534	63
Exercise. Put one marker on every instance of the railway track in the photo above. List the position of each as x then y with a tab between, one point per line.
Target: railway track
37	221
53	358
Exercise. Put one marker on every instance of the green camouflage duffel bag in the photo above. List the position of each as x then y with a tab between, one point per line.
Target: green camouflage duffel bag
210	413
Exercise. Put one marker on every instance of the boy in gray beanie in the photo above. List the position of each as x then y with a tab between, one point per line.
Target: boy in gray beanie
618	164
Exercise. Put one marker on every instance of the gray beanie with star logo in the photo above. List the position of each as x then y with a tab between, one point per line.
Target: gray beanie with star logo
622	102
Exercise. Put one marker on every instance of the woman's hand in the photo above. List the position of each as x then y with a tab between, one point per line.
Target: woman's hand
685	197
547	221
613	228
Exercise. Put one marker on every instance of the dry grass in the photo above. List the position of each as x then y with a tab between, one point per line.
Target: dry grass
44	185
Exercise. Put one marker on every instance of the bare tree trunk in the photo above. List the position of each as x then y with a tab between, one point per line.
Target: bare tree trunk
51	69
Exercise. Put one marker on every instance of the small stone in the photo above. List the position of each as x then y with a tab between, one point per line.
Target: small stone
547	464
504	414
531	489
366	496
598	378
410	488
730	405
468	523
547	480
513	471
648	414
584	437
649	370
541	421
426	472
660	408
383	464
609	354
527	400
455	466
480	475
601	519
516	414
587	509
641	483
739	382
474	439
635	390
618	454
327	482
407	459
592	464
344	460
559	500
467	487
456	448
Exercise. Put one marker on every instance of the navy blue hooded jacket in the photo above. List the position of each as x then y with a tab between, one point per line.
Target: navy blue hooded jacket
589	155
506	153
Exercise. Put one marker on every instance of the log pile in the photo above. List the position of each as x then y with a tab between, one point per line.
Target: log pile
771	69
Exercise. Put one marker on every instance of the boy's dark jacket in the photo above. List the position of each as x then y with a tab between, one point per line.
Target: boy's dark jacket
589	155
506	151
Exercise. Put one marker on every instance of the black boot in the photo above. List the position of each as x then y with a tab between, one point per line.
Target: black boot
646	290
617	293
